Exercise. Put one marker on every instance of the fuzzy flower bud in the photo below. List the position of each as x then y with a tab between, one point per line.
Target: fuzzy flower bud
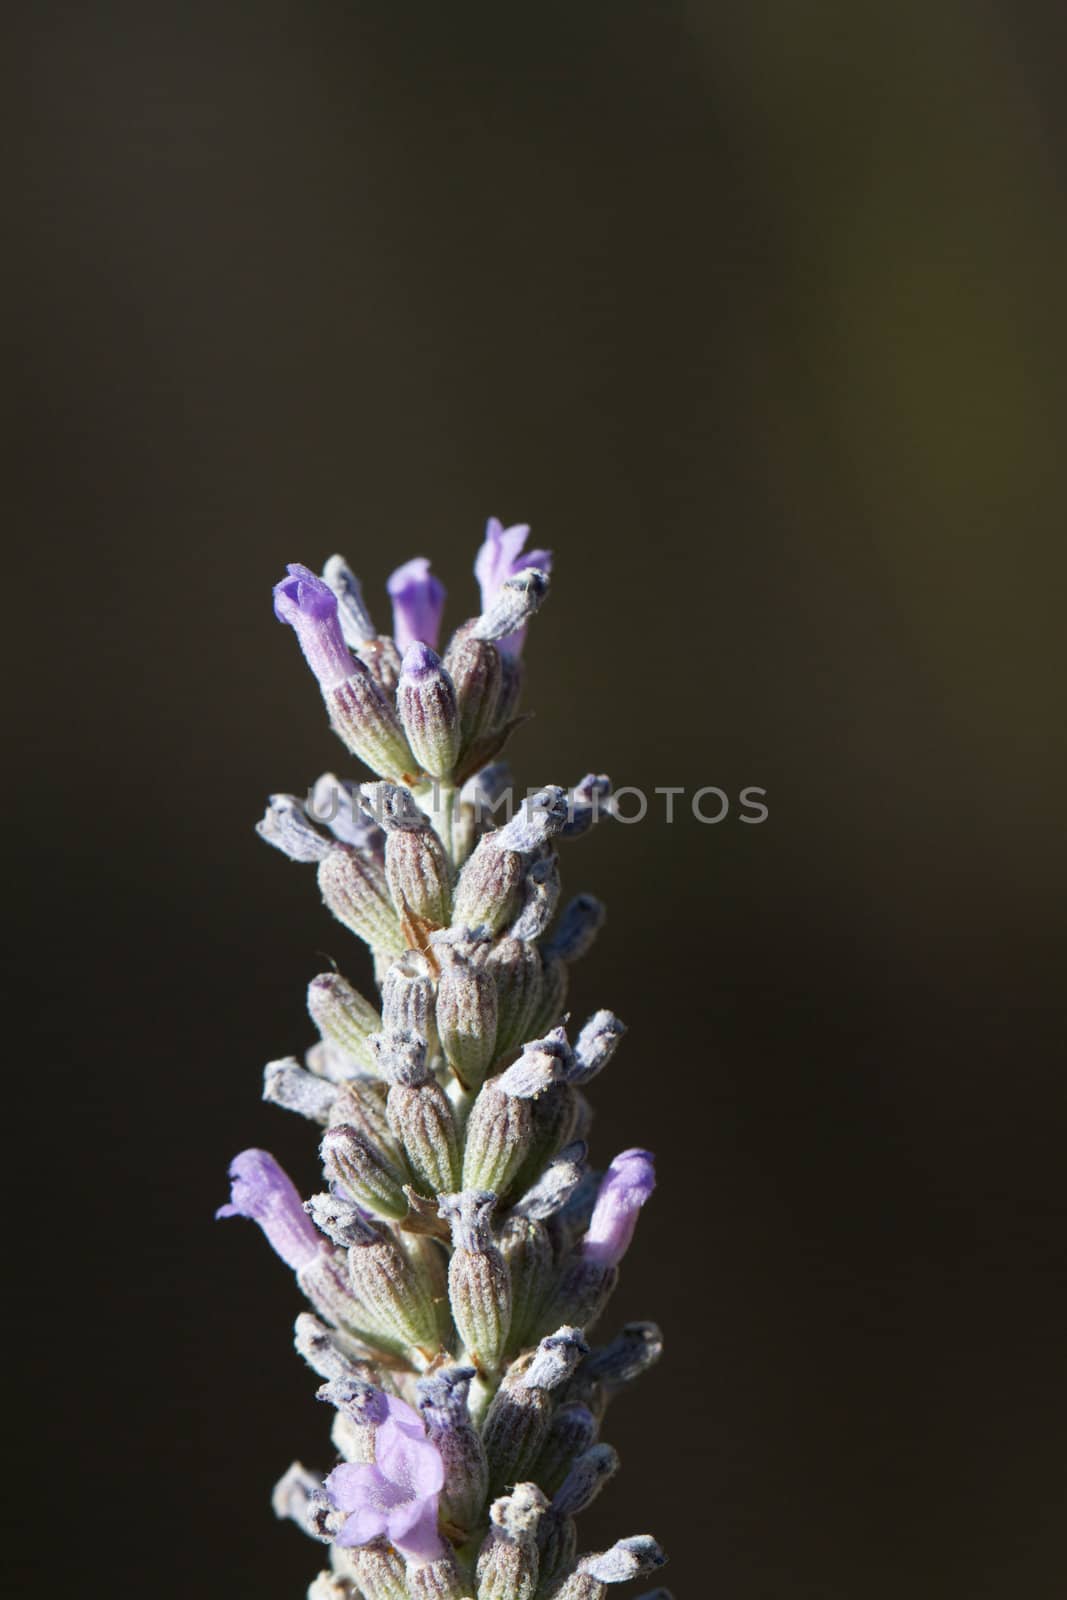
393	1293
356	624
355	889
426	700
516	967
417	870
262	1190
363	1172
501	1122
508	1561
466	1015
540	897
408	999
335	803
419	1113
517	1420
586	803
479	1283
572	1430
442	1401
527	1248
590	1472
343	1017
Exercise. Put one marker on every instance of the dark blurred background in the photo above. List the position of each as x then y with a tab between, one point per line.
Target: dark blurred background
756	313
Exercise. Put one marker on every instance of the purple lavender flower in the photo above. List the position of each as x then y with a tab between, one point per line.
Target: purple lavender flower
262	1190
624	1189
501	557
418	601
310	606
395	1496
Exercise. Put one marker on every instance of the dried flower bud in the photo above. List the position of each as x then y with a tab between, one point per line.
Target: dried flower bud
335	803
442	1401
580	921
286	826
501	1122
355	889
514	603
516	967
540	818
479	1283
298	1497
417	869
588	1475
627	1558
420	1114
570	1433
343	1017
595	1046
540	896
466	1015
556	1184
323	1350
341	1220
329	1586
363	1172
408	999
527	1249
356	625
286	1083
394	1295
508	1562
426	700
517	1419
587	802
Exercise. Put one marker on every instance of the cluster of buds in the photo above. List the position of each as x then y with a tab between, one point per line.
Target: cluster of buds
463	1249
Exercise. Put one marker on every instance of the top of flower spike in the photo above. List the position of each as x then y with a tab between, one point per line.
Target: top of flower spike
500	558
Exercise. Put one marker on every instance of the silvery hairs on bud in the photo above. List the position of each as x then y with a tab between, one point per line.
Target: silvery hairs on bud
459	1246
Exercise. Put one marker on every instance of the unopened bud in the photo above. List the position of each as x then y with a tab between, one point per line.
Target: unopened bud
343	1017
556	1184
466	1015
628	1558
326	1282
378	1570
335	803
479	1283
508	1562
363	1173
489	886
355	889
426	700
474	667
341	1220
588	800
324	1350
442	1401
361	1103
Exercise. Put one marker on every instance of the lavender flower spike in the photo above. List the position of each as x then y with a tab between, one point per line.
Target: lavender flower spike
626	1186
396	1495
457	1219
418	603
310	606
501	557
262	1190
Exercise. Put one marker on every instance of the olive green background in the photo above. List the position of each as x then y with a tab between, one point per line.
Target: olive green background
755	311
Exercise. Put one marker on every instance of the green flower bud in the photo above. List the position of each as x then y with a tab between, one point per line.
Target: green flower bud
466	1014
479	1284
354	887
342	1016
363	717
426	700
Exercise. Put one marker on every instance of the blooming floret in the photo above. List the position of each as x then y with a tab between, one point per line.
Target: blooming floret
396	1495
